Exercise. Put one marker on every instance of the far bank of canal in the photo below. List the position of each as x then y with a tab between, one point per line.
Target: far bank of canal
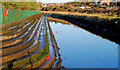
82	49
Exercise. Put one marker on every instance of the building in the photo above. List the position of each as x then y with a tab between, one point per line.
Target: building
84	0
82	7
44	5
99	1
87	7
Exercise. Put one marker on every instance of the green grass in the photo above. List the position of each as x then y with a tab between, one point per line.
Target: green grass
27	60
22	61
104	16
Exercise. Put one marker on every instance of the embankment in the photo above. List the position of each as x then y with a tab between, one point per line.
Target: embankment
105	27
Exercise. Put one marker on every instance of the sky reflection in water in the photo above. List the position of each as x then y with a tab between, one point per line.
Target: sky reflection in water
81	49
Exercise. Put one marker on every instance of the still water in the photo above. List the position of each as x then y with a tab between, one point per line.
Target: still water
82	49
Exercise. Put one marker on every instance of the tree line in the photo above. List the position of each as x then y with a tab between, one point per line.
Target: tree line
21	5
74	7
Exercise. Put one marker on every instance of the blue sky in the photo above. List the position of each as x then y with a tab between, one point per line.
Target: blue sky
54	1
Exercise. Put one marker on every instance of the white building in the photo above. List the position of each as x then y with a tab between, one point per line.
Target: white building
45	5
82	7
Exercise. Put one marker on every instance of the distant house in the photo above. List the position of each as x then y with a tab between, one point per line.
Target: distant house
99	2
45	5
82	7
84	0
87	7
106	2
71	6
75	8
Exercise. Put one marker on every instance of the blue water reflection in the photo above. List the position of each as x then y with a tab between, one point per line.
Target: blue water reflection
81	49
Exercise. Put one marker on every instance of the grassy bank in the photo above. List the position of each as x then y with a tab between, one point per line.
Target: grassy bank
83	14
105	27
85	18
